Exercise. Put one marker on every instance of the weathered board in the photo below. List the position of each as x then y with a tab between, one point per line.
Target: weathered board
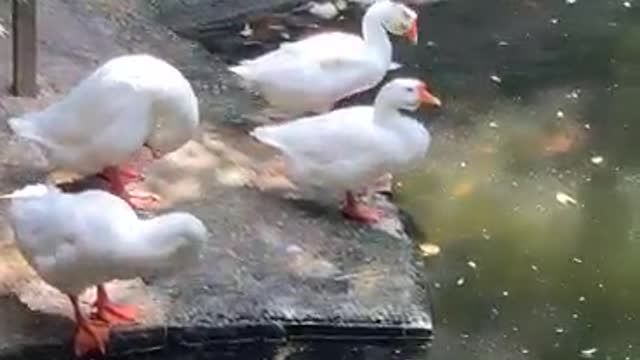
25	48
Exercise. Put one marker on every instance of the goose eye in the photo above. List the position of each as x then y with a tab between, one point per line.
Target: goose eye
409	89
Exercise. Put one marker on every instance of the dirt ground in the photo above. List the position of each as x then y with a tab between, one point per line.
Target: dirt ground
339	273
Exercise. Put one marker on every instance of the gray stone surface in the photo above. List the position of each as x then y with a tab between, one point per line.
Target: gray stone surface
275	268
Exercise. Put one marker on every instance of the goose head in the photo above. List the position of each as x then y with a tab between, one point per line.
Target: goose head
177	239
397	18
406	94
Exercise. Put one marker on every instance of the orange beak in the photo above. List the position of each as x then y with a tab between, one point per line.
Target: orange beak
412	33
427	98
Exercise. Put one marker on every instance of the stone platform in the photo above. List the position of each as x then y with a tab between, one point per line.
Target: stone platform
275	269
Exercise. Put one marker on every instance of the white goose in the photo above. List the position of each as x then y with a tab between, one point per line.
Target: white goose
75	241
310	75
347	148
129	103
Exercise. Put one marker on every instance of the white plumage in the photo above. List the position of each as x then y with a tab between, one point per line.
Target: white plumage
347	148
75	241
310	75
128	102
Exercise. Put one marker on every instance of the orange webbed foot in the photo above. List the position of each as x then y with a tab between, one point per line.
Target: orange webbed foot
91	336
363	214
116	314
142	200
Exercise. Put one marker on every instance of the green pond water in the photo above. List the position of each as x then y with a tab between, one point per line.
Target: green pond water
531	188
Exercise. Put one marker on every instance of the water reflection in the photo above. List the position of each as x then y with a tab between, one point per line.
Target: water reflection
521	274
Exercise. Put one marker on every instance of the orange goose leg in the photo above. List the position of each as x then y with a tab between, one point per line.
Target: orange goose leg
359	212
90	335
110	312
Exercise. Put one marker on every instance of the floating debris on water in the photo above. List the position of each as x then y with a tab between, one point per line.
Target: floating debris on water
462	189
472	264
597	160
587	126
505	293
535	268
437	285
496	79
560	114
493	125
428	249
503	43
553	21
588	353
627	4
559	330
577	260
574	94
463	164
524	351
582	299
575	315
460	281
571	2
431	44
565	199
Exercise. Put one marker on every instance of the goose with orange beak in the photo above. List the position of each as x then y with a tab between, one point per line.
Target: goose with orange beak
310	75
345	149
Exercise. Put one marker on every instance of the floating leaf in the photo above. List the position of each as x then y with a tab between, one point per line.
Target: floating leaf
462	189
597	160
588	353
565	199
429	249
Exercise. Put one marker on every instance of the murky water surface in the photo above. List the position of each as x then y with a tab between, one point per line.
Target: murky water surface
531	190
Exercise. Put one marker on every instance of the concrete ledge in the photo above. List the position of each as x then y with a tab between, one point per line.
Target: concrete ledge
275	269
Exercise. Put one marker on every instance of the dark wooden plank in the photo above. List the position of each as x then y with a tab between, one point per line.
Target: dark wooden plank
24	48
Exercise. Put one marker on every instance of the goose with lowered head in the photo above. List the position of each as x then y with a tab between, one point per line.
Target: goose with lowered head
75	241
130	103
311	74
347	148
